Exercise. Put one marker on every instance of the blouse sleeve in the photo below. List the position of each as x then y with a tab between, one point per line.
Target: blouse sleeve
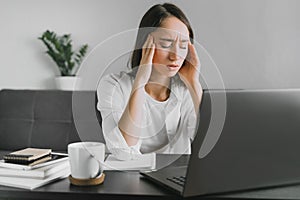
113	93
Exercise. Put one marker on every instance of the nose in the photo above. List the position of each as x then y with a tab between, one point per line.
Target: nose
173	53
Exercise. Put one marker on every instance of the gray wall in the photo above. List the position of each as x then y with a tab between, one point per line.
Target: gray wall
254	43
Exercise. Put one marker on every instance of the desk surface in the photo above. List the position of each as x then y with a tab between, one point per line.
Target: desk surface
120	185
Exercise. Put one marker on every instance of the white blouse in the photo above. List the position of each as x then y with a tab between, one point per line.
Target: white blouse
168	127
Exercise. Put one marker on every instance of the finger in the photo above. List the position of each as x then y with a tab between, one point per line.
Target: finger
190	44
144	45
191	47
152	50
150	53
193	56
148	42
192	50
150	47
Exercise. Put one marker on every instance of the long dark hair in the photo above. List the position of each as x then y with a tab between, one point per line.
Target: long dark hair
153	19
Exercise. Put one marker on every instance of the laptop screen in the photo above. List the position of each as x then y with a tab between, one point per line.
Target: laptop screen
257	146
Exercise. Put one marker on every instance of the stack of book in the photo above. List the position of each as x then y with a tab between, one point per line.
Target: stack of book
31	168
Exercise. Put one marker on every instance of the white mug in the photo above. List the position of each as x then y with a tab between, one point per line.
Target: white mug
85	159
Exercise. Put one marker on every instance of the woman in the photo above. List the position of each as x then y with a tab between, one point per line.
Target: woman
154	107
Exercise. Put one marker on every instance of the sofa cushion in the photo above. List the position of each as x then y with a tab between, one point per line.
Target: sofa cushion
47	119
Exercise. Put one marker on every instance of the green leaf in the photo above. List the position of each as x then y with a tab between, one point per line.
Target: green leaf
60	50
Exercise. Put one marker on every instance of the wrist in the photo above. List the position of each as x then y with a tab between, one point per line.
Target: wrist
195	88
193	82
139	84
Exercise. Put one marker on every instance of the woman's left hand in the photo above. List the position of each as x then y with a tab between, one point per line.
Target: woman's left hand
190	71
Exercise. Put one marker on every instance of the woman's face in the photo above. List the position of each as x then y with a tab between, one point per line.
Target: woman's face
171	46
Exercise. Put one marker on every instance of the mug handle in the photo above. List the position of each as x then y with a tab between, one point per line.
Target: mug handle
100	168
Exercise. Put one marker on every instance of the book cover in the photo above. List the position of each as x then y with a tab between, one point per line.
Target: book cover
32	183
55	158
27	155
39	173
32	162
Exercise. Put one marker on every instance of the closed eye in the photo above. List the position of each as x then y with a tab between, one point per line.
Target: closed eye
166	44
183	46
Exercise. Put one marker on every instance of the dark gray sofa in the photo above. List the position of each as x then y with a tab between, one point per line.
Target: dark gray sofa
47	119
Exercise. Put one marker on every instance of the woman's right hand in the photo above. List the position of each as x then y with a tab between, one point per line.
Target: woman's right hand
145	67
131	121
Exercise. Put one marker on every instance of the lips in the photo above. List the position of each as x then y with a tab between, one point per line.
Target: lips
173	66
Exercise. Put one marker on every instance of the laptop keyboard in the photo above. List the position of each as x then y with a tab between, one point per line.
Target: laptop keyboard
179	180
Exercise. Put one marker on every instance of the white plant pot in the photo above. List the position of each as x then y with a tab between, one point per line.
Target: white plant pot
66	82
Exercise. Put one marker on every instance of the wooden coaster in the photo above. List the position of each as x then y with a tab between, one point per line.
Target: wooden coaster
87	182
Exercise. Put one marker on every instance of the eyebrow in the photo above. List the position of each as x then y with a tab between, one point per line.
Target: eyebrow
171	40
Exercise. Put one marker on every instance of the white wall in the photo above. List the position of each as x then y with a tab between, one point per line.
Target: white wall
255	43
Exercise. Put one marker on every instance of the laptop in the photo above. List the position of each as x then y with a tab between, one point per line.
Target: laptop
257	147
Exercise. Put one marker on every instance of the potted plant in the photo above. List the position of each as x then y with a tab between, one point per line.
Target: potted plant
60	49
